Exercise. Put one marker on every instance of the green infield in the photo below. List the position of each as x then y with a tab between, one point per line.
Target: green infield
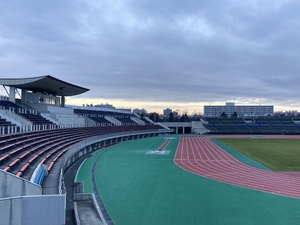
139	188
276	154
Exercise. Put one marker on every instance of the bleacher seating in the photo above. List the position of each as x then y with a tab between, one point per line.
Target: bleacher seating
125	120
5	125
8	105
260	125
101	120
21	153
36	119
3	122
146	121
99	116
95	115
31	115
32	146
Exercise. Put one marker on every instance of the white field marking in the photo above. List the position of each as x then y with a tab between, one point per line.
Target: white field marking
158	152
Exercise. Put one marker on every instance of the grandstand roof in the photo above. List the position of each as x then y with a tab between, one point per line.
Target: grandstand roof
44	84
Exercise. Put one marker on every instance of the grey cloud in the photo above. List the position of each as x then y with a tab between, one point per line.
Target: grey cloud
179	51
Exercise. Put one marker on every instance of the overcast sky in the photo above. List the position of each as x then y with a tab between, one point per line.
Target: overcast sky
158	53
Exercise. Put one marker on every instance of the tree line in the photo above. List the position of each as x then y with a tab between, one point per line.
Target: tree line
155	117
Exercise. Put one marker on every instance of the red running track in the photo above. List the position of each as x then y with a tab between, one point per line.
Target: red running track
164	145
201	156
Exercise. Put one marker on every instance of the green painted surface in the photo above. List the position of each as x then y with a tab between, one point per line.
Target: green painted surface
85	173
138	188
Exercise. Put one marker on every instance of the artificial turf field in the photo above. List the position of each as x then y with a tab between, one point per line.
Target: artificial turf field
139	188
276	154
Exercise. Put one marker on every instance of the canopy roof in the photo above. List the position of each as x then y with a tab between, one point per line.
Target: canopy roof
44	84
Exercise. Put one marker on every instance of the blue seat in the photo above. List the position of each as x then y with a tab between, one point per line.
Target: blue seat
40	177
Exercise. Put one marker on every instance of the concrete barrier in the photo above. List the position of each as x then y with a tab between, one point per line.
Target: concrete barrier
28	210
12	186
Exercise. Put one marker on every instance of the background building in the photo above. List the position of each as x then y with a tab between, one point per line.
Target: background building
108	106
167	111
242	111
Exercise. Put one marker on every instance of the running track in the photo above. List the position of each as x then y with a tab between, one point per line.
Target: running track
201	156
164	145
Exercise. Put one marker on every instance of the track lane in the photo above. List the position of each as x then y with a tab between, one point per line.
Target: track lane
201	156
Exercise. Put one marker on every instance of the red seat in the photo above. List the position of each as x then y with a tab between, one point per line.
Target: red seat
50	166
19	174
43	160
4	157
6	146
25	154
24	167
14	162
33	158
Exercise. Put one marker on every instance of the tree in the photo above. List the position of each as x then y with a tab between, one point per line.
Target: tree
223	114
154	117
171	117
184	118
196	116
234	114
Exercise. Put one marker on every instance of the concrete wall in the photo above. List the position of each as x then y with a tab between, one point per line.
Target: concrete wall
29	210
10	211
22	202
179	127
11	186
71	119
60	110
198	127
44	108
177	124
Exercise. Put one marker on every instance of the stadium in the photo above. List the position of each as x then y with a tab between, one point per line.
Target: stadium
62	164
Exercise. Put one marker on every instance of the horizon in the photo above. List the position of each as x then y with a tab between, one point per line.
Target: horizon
179	107
158	107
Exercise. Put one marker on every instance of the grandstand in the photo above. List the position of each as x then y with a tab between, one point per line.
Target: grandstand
259	125
41	137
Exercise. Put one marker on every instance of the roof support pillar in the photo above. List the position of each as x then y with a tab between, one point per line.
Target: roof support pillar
63	101
24	96
12	94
